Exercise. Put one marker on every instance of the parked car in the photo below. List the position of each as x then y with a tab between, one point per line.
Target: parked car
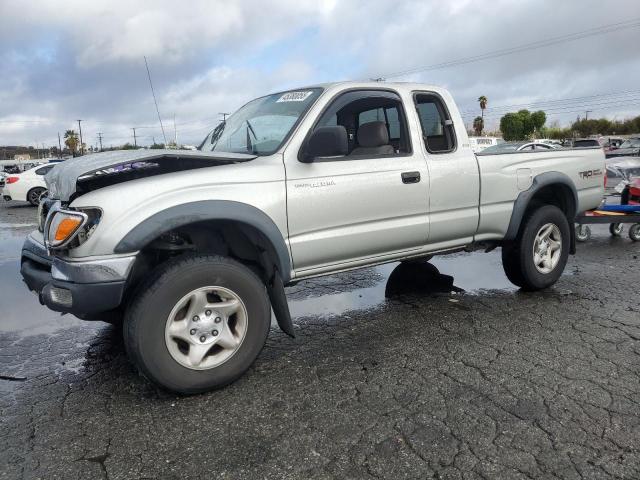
511	147
3	176
27	186
629	148
478	144
195	247
611	143
585	142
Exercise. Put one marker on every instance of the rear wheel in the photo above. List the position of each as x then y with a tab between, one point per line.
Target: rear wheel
634	232
198	323
537	257
34	195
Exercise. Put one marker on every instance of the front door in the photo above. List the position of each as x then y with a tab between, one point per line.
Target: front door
363	205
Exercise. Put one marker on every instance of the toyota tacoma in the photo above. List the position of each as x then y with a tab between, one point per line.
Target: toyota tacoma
191	250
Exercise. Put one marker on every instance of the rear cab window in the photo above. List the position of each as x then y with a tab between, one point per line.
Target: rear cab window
437	127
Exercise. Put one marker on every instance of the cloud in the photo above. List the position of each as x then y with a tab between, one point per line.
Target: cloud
83	59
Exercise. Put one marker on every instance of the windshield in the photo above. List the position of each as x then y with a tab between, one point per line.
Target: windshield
631	143
262	125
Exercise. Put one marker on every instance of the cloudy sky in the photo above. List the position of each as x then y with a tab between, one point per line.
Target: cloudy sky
68	59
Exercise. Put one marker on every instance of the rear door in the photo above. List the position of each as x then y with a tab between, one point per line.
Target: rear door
343	210
453	174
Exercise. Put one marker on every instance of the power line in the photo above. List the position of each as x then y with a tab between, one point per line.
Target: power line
602	30
541	103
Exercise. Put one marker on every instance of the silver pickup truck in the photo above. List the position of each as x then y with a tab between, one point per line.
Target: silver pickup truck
192	249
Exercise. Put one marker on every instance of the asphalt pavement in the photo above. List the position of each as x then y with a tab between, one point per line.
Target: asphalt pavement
440	370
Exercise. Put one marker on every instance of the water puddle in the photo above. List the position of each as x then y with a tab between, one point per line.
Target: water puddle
20	310
471	273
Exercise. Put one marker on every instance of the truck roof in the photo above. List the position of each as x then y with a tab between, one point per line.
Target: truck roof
404	86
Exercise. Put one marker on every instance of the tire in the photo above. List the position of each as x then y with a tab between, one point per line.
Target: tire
634	232
215	282
615	229
583	233
33	195
544	235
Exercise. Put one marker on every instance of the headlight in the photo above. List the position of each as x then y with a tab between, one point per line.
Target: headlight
69	228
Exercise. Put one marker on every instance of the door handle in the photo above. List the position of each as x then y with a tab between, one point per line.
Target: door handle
410	177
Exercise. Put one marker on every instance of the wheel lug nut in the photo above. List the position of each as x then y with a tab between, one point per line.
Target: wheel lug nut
217	320
203	338
214	333
207	313
193	331
196	318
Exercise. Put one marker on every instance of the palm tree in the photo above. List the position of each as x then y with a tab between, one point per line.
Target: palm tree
478	125
71	141
483	104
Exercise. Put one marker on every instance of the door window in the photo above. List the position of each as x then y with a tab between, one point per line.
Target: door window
375	122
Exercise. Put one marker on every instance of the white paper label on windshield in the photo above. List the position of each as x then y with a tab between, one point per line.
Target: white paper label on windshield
294	97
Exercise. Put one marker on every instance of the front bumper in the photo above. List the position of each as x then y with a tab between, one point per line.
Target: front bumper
84	287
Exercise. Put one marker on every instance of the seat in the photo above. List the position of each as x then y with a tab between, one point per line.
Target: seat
373	139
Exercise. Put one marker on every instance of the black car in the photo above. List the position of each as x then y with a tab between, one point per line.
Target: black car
629	148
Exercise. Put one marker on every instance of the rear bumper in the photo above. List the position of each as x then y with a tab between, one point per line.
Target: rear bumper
84	288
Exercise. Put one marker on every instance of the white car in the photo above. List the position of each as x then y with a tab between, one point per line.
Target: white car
27	186
512	147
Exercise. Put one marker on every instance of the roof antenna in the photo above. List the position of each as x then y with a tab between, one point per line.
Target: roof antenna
155	101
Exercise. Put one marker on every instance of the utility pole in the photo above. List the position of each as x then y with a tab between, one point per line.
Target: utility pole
175	132
135	140
80	128
100	139
224	116
586	114
59	146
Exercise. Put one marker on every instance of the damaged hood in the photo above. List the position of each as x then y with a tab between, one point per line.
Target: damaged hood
90	172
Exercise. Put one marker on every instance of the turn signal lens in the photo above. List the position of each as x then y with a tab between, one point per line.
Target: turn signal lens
66	227
63	226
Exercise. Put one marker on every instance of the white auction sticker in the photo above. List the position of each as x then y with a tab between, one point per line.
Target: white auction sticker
294	97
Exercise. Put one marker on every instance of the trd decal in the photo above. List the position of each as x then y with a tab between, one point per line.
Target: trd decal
590	173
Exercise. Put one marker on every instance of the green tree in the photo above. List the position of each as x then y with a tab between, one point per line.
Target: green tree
512	127
522	124
71	140
478	125
538	119
483	104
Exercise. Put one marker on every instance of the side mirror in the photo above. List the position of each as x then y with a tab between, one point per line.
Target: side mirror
326	142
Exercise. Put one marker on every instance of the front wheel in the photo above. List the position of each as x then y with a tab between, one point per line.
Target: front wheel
537	257
634	232
198	323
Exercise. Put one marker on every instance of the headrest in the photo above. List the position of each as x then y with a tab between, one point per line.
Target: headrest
373	134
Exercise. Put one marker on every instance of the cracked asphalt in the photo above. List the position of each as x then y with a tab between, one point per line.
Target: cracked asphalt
439	371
